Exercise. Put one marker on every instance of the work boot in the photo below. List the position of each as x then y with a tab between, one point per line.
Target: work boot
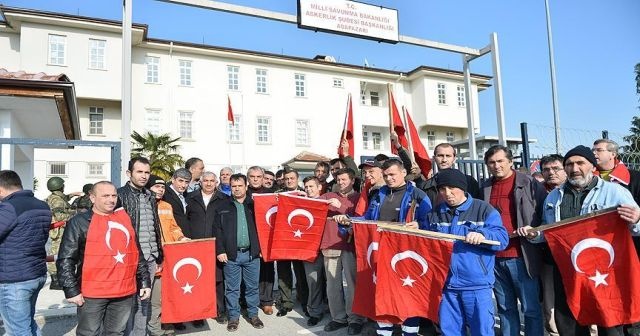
54	285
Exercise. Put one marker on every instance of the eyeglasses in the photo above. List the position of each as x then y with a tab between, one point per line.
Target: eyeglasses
599	150
552	169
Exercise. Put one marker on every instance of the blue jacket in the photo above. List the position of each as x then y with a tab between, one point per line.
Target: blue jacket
471	265
422	209
24	230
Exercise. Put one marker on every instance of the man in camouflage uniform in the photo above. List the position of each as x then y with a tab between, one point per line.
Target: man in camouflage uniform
83	203
61	211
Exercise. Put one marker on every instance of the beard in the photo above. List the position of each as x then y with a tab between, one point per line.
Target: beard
580	181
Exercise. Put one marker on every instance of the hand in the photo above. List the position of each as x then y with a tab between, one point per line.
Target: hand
341	219
334	202
158	268
185	239
394	138
415	170
412	225
629	213
222	257
78	300
474	238
526	232
145	293
345	147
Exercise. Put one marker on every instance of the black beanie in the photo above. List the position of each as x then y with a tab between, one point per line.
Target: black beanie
452	178
583	151
153	180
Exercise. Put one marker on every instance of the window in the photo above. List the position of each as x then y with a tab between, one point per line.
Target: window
302	133
153	69
450	137
57	168
234	130
442	94
461	97
96	119
97	54
375	98
377	140
365	140
261	80
186	124
363	97
233	74
95	169
263	130
152	121
431	139
185	73
338	83
300	85
57	47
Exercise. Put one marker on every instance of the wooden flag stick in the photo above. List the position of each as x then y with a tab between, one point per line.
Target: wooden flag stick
567	221
389	94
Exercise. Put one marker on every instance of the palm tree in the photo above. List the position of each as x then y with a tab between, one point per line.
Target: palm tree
161	150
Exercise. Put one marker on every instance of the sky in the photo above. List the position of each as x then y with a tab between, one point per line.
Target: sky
596	45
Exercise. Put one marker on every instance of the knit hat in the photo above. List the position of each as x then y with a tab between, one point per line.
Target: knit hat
451	178
583	151
153	180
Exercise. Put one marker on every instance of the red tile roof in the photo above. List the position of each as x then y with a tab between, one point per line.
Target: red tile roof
4	73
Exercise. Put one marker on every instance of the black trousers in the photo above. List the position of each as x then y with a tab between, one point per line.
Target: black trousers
265	285
110	315
285	283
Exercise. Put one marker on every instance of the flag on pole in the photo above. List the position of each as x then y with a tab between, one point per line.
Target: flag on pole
396	123
230	111
265	208
366	239
347	131
420	154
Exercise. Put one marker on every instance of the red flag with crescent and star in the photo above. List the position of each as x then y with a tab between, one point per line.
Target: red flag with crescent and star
188	281
412	271
299	227
599	268
265	208
110	257
366	246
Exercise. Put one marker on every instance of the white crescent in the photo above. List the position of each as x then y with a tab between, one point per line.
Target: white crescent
115	225
587	243
412	255
187	261
272	211
301	212
372	247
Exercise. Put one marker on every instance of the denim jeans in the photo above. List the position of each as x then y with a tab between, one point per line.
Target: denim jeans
512	284
244	269
18	305
141	310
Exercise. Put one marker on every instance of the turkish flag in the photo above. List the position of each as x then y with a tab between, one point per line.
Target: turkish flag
299	227
599	268
188	281
366	245
265	207
230	112
347	131
411	274
419	152
397	124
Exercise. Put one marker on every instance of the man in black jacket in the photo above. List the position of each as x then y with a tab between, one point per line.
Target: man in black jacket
238	248
175	194
102	288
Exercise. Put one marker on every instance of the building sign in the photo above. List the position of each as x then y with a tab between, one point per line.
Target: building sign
349	18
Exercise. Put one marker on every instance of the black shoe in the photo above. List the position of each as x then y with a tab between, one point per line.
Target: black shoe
354	328
54	285
232	325
306	312
222	319
179	326
313	321
198	323
283	312
333	326
256	322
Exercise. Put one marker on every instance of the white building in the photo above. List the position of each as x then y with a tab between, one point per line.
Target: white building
282	105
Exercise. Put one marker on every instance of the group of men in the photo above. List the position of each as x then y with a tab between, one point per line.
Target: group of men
110	257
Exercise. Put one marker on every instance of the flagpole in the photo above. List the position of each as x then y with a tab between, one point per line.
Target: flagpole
567	221
390	95
229	131
346	120
409	140
399	227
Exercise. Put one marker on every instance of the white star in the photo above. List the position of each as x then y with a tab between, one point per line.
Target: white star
599	279
297	233
408	281
119	257
187	288
375	278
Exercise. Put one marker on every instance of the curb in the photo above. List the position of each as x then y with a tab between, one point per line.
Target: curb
57	313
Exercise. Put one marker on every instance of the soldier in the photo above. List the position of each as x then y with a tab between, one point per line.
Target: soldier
61	211
83	203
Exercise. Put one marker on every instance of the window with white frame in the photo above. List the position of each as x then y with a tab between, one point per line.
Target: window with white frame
375	98
97	53
261	80
302	133
377	140
57	49
186	124
185	72
338	83
153	69
263	130
365	140
233	76
462	102
442	94
300	85
431	139
57	168
152	120
235	134
95	169
96	120
450	137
